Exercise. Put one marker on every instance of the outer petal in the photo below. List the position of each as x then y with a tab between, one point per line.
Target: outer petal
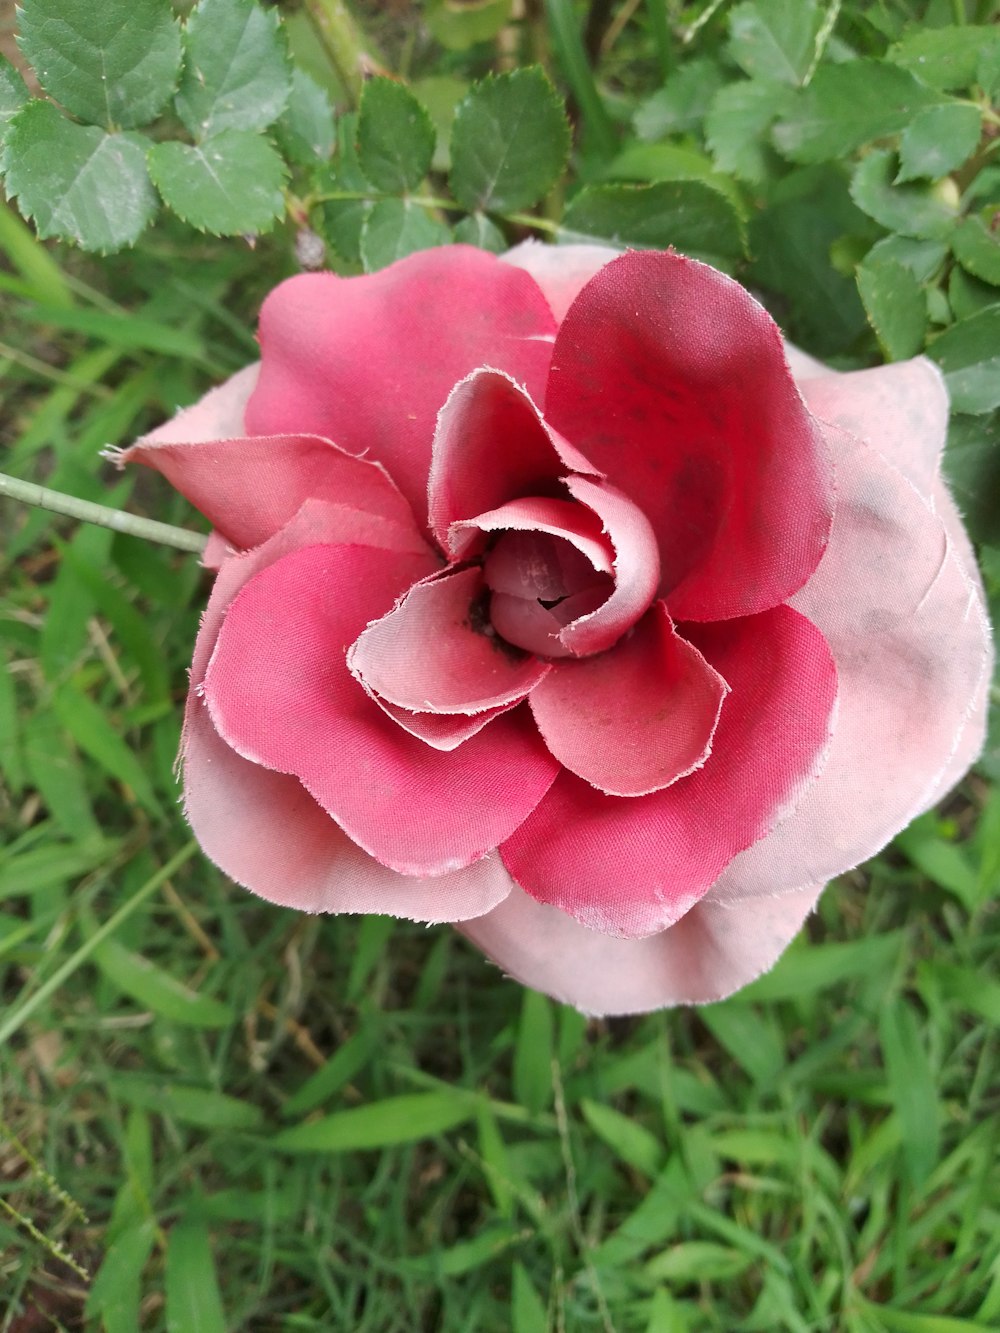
280	694
901	409
672	379
562	271
249	488
636	718
263	828
369	361
907	627
219	415
492	445
707	955
633	867
427	654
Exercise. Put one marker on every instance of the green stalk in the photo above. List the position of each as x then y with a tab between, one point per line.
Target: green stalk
88	512
344	42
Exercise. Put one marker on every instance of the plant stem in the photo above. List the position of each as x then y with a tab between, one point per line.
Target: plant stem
344	42
88	512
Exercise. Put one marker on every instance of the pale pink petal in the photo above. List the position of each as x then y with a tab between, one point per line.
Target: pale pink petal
636	568
631	867
636	718
369	361
249	488
710	953
669	377
901	410
562	271
280	694
444	731
432	653
219	415
906	624
558	517
492	445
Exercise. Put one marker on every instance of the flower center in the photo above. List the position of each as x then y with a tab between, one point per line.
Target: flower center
539	583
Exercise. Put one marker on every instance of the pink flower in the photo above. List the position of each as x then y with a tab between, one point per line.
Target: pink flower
552	604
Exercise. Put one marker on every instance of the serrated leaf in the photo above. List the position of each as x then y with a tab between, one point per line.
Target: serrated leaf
114	63
509	143
848	105
969	355
229	185
78	182
155	989
681	104
191	1286
736	127
381	1124
236	72
395	137
977	248
948	57
13	94
922	258
306	130
971	465
689	215
938	140
896	307
911	210
967	295
396	228
775	39
478	230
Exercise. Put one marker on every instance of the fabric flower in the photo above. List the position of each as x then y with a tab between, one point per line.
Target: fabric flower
556	598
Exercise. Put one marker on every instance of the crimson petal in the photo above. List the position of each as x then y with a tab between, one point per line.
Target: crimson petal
279	692
671	379
368	361
636	718
633	867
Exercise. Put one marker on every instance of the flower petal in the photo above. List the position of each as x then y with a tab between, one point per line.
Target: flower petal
280	694
632	867
907	627
558	517
444	731
636	718
429	654
249	488
900	409
368	361
669	377
562	271
708	954
492	445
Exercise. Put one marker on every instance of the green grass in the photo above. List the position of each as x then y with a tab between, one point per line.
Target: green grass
218	1114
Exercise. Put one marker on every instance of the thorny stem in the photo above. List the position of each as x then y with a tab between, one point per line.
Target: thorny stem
88	512
344	43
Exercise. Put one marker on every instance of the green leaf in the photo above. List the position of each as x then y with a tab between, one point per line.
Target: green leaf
527	1312
192	1106
459	24
634	1144
55	771
977	247
737	123
91	728
395	137
236	71
948	57
532	1070
194	1303
910	210
695	1261
681	104
116	1292
114	63
396	228
155	989
969	355
922	258
653	162
345	1063
343	219
848	105
896	307
912	1085
76	181
971	466
967	295
690	215
509	143
938	140
229	185
966	987
306	130
13	94
809	970
382	1124
478	230
775	39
